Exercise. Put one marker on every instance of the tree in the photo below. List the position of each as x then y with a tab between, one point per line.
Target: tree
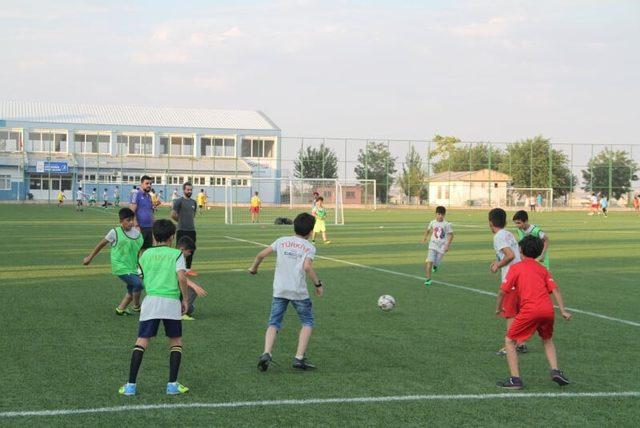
529	165
472	158
610	172
413	175
320	162
376	163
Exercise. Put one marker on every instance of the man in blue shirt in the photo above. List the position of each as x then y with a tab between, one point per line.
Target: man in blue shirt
142	206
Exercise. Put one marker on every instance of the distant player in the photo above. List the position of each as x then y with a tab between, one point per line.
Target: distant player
593	199
507	253
531	283
521	220
93	198
254	208
175	195
132	194
604	203
294	261
80	197
636	203
441	236
320	213
165	280
539	202
532	203
125	242
61	198
201	199
187	246
116	197
105	198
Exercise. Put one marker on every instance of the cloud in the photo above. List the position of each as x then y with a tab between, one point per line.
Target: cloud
166	57
212	83
496	26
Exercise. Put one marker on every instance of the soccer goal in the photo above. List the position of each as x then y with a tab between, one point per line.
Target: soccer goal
287	197
525	197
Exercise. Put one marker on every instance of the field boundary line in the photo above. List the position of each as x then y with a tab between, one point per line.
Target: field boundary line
447	284
308	401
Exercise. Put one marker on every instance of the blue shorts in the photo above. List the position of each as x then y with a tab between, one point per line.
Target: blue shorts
133	281
279	308
149	328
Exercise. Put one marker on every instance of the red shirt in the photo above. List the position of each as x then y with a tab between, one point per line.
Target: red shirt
533	283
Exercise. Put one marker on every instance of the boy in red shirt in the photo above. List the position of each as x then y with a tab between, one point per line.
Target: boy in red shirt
533	284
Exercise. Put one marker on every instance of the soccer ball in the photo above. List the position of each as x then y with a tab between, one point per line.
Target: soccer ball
386	302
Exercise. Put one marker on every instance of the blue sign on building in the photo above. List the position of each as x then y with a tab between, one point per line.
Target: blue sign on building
55	167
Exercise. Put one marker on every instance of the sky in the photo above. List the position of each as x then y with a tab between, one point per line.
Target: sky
480	70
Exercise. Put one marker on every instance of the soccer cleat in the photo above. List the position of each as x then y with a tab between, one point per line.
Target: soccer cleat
558	377
501	352
327	242
313	240
428	282
135	309
522	348
127	389
192	273
434	269
121	312
263	361
186	317
302	364
513	382
176	388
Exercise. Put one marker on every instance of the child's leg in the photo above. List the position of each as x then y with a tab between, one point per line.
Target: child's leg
305	314
324	235
192	298
303	341
512	357
550	351
313	236
136	358
175	357
136	299
427	269
278	309
128	297
270	339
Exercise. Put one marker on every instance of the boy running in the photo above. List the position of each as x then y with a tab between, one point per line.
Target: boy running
116	197
294	260
521	220
441	236
61	198
254	209
507	253
125	242
201	199
604	204
105	198
93	198
80	197
165	279
532	283
320	213
593	199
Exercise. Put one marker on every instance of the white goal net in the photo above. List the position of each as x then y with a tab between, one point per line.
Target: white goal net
530	198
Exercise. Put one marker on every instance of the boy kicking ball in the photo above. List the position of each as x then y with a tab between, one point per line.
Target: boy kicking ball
441	236
165	279
531	283
294	260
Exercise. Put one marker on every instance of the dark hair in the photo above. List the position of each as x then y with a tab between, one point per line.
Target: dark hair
531	246
303	224
316	193
80	188
94	188
441	210
186	243
320	198
498	217
126	213
163	229
144	177
521	215
188	183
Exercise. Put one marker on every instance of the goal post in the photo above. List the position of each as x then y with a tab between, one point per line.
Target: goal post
525	197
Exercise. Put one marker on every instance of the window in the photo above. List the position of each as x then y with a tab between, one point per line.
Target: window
10	141
47	141
219	181
92	143
199	181
135	145
351	194
239	182
164	145
219	147
176	145
257	148
5	182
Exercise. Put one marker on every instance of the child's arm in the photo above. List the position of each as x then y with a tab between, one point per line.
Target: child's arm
259	258
558	296
508	257
545	247
103	243
499	300
184	290
449	240
427	232
308	269
196	288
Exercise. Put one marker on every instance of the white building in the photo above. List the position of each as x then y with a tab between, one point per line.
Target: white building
464	188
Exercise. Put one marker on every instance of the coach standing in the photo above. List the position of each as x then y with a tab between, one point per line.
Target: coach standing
142	206
184	212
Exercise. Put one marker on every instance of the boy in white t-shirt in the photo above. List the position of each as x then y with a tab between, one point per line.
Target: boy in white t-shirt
294	261
441	236
507	253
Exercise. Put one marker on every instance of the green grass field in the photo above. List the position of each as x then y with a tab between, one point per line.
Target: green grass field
64	348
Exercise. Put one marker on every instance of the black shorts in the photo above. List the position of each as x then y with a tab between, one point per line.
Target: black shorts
149	328
147	234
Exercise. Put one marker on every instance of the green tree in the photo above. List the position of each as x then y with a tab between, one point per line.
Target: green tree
610	172
533	163
466	158
413	176
313	162
376	163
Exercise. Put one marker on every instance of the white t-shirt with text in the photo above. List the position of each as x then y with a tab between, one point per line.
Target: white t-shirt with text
289	280
503	239
440	231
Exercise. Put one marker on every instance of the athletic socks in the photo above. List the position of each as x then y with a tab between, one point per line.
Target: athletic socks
175	355
136	360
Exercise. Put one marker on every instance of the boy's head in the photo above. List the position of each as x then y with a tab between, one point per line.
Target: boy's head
521	219
79	188
255	193
126	216
94	189
497	218
186	245
319	200
303	224
163	230
440	212
531	246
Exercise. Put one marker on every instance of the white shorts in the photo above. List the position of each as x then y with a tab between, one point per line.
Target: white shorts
434	257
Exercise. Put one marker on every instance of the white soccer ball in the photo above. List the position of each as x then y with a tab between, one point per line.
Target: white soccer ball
386	302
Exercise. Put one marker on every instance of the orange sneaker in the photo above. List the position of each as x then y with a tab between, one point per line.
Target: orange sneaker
192	273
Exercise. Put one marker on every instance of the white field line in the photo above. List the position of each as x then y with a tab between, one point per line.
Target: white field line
447	284
308	401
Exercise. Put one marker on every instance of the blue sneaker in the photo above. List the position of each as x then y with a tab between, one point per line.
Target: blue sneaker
176	388
128	389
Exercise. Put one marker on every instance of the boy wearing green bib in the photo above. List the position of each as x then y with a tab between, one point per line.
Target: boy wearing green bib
125	242
320	213
521	220
164	275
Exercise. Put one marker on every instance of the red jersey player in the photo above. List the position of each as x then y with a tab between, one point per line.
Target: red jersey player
533	285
